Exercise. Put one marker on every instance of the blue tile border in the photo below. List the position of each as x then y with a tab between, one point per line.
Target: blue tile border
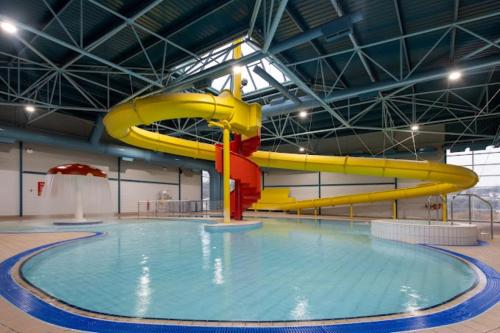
37	308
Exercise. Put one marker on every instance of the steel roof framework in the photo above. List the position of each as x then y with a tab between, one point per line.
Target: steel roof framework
95	85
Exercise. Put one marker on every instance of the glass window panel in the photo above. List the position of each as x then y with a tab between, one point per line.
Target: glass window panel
483	170
492	149
459	159
219	82
486	158
259	82
464	152
246	49
205	185
274	72
488	181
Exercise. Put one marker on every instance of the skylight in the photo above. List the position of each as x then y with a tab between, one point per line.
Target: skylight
224	53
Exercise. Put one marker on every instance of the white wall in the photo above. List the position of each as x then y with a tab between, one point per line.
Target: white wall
191	185
9	179
139	180
415	208
37	159
311	185
143	181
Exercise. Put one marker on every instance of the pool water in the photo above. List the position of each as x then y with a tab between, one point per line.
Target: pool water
291	269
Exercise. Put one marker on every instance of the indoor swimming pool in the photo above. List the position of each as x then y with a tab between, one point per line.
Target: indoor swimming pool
290	269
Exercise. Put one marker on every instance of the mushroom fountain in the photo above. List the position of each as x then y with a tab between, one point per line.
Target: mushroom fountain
82	187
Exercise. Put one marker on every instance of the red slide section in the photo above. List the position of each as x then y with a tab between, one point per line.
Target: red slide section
244	172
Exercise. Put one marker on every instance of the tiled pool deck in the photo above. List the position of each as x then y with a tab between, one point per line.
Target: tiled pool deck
13	319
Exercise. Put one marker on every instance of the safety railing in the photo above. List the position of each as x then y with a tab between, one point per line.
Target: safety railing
158	208
469	197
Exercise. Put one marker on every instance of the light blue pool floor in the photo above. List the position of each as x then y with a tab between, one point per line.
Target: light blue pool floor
289	270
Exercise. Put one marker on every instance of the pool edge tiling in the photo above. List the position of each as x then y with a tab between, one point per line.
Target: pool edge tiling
34	306
396	277
479	284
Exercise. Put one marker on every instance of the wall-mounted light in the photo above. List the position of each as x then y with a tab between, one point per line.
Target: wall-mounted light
29	108
302	149
414	127
8	27
454	75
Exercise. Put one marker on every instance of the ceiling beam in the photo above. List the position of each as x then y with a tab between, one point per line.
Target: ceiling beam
308	102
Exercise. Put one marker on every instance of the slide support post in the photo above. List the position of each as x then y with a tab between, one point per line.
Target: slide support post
226	174
237	74
444	207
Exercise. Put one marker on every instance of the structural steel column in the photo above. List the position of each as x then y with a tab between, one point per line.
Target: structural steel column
226	173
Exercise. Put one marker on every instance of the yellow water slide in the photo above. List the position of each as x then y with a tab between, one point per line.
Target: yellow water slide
123	120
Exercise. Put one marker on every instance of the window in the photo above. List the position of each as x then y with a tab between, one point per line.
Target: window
225	53
205	185
486	163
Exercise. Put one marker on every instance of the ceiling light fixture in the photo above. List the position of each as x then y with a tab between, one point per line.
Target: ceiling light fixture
414	128
302	149
8	27
303	114
29	108
454	75
236	69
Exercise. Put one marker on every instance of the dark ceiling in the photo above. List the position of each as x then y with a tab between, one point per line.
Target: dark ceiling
80	57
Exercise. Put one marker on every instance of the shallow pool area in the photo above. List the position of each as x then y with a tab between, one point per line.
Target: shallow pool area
290	269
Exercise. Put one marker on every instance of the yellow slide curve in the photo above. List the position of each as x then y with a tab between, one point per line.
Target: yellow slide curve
122	121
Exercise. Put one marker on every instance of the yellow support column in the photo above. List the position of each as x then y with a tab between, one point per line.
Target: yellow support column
226	174
237	70
351	212
227	139
444	207
394	210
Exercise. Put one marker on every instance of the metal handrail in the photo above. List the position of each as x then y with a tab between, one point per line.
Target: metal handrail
177	207
470	195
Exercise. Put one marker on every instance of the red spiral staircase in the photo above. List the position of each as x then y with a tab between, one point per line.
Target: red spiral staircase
244	172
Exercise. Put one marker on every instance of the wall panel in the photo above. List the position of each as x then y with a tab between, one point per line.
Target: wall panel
139	180
9	179
190	185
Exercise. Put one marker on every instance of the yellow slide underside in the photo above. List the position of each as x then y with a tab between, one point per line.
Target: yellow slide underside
122	121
